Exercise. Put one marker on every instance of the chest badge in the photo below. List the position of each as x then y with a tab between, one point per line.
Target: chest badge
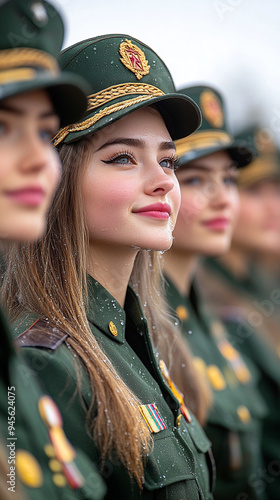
63	450
152	418
134	59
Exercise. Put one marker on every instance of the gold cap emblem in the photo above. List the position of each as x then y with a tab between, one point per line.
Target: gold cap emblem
134	59
211	108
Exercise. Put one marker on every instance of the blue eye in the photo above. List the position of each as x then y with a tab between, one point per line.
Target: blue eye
46	135
230	181
121	159
171	163
192	181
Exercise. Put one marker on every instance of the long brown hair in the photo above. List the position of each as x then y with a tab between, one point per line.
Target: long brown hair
49	278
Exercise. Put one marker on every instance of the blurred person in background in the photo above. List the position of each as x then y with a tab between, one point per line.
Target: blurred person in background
239	289
209	163
36	459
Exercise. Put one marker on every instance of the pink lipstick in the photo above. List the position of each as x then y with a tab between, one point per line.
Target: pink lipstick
217	224
29	196
156	211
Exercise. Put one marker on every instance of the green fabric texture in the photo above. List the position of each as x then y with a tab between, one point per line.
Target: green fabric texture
235	441
252	343
124	75
177	464
213	134
31	36
31	433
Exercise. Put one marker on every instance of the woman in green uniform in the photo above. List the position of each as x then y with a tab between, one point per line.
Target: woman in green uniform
207	174
37	460
88	337
248	305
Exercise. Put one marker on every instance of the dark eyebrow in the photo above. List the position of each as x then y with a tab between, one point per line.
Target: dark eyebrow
139	143
203	168
19	112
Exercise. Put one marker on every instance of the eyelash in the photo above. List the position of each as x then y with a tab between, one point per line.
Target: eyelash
173	159
119	156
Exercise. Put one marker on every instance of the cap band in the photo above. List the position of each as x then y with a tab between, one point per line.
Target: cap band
261	168
95	100
202	140
20	64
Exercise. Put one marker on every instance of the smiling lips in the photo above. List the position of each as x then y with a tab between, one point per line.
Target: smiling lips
156	211
218	224
29	196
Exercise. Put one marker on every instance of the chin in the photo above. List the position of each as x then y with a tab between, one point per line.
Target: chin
24	233
216	250
157	245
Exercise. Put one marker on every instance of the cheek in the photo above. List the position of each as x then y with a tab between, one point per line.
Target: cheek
8	164
175	199
250	213
235	207
104	199
189	213
54	170
192	206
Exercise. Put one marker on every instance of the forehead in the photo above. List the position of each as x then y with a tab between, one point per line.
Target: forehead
143	123
214	162
21	104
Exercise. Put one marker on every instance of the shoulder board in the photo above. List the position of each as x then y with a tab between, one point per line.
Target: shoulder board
41	334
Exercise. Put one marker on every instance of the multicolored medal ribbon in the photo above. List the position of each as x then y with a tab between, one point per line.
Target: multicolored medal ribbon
178	395
152	418
64	452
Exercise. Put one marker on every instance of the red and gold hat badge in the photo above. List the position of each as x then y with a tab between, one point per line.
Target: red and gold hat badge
134	59
211	108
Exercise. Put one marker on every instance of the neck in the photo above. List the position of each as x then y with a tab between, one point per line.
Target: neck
112	268
236	261
180	267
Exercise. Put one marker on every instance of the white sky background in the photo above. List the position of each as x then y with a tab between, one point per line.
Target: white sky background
233	45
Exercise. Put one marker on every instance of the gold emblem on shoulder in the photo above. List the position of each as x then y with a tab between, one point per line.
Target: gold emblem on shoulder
28	469
182	313
216	377
134	59
244	414
211	108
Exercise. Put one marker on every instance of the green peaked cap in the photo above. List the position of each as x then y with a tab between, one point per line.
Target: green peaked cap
266	165
31	36
124	75
213	134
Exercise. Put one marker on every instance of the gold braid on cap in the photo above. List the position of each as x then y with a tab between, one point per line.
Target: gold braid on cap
11	58
202	140
103	97
19	64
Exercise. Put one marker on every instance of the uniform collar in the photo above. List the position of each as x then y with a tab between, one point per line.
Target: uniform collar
106	313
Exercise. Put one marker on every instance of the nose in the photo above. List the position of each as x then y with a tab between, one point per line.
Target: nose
217	193
159	181
35	152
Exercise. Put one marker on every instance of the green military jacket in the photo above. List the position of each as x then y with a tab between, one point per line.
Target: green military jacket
177	466
235	418
40	460
233	300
